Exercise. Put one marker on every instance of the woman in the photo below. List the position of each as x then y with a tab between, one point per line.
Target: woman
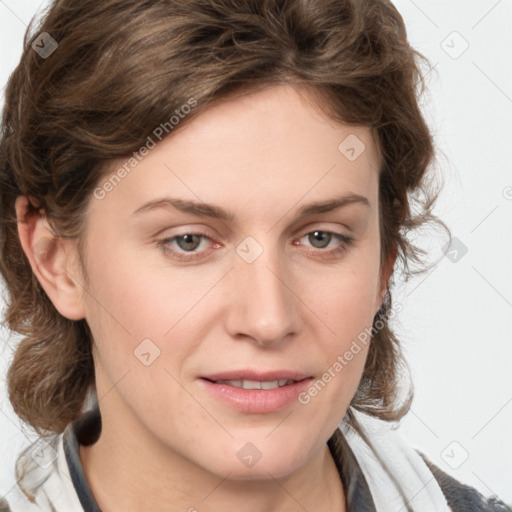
203	205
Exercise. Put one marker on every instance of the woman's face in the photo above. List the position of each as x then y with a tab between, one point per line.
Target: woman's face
207	262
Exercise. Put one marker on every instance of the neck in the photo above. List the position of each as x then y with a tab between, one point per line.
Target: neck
155	478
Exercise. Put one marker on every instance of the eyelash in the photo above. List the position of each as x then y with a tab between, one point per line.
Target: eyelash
345	243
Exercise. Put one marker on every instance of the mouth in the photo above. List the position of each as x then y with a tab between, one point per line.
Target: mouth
256	384
256	392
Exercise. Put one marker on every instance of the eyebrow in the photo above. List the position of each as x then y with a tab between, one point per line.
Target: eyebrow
216	212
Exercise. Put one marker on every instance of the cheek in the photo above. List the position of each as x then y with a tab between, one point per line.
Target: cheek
140	311
347	301
348	314
128	292
346	306
343	355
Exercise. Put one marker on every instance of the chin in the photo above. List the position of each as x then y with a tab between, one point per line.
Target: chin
268	470
248	462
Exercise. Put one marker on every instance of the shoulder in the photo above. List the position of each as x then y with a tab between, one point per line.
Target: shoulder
43	480
461	497
35	469
389	461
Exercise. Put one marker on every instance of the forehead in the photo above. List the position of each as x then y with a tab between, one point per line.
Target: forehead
267	145
275	119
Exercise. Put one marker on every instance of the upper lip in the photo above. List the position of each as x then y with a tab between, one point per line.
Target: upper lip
256	375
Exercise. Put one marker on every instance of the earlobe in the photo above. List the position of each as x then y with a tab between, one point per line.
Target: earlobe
53	260
384	282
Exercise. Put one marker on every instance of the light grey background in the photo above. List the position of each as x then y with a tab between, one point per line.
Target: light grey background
454	321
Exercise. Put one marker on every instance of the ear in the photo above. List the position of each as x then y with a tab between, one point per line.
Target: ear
384	278
54	260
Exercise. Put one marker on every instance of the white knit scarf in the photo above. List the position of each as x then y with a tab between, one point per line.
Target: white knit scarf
398	478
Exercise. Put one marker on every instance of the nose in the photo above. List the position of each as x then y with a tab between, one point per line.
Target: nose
264	305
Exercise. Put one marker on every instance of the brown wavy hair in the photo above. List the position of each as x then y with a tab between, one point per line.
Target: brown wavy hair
121	69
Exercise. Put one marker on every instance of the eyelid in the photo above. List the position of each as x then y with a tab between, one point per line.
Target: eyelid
182	229
336	228
299	233
183	255
344	242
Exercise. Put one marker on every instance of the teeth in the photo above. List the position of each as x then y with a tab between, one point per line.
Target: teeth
251	384
256	384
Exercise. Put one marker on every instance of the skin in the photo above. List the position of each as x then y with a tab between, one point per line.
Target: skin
298	306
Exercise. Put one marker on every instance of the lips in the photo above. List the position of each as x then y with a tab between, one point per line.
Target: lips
256	384
253	391
257	376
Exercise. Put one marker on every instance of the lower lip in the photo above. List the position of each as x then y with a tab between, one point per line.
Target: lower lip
256	400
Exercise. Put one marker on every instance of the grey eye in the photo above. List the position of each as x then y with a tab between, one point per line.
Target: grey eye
319	239
188	242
